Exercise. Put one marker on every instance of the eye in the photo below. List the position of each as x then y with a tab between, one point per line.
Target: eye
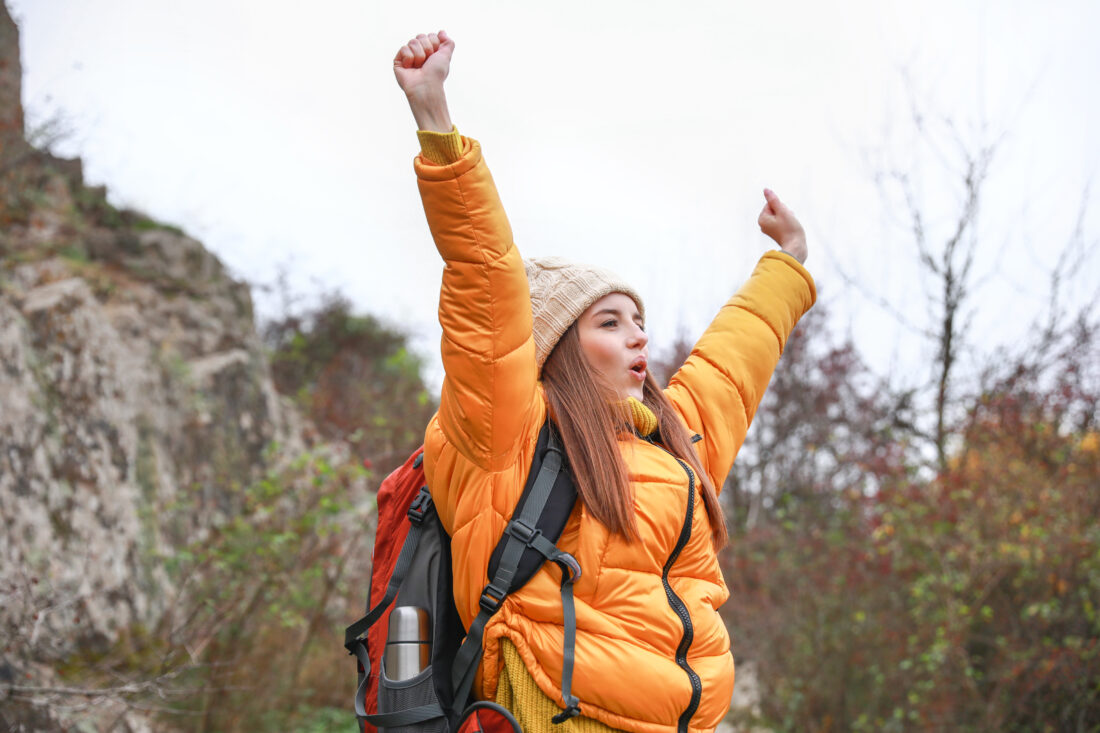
609	323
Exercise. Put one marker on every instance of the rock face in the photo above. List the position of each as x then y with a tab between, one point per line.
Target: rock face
11	80
131	375
111	408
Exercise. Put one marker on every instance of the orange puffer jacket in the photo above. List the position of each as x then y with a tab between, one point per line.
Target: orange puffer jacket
652	653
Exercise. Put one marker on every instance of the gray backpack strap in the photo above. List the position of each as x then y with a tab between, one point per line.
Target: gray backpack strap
520	534
570	571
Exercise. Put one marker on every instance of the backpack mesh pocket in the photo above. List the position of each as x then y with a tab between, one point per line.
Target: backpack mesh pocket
394	696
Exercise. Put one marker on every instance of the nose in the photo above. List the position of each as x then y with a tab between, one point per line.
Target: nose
638	338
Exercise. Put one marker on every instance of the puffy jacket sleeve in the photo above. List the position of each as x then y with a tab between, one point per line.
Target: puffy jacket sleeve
719	387
484	308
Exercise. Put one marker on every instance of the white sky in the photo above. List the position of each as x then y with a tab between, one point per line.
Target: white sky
627	134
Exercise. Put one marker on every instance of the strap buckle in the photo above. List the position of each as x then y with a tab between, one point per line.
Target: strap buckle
572	710
420	506
491	598
525	533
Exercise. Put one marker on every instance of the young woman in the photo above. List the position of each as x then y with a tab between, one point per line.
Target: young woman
549	338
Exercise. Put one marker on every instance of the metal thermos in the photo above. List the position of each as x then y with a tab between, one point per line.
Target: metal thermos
409	643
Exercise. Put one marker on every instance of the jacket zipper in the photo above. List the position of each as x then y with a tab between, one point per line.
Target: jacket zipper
677	604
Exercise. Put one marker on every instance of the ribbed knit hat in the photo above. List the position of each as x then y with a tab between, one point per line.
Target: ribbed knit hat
561	291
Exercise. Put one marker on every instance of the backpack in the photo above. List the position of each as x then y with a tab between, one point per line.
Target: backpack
412	565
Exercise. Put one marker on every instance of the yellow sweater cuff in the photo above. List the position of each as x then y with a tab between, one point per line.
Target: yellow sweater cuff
441	148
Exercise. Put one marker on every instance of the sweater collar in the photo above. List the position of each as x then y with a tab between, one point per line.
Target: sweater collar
644	419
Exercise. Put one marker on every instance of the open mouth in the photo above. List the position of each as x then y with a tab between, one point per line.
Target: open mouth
638	367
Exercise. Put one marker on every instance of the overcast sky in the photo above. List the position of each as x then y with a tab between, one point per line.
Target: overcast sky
628	134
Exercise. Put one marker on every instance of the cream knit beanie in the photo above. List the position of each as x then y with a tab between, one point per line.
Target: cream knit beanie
561	291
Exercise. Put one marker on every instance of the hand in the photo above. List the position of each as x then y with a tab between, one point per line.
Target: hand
423	62
421	66
779	222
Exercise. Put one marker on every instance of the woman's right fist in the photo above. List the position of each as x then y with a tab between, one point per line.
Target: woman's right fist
422	64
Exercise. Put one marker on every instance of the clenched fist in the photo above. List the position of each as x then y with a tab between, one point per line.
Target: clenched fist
423	62
779	222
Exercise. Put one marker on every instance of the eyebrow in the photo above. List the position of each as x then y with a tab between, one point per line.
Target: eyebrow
616	312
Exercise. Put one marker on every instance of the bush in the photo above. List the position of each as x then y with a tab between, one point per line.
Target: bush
960	600
355	378
264	598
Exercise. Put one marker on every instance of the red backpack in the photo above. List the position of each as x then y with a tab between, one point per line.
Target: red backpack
420	681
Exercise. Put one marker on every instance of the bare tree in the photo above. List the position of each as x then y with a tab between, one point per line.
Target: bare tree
951	264
935	187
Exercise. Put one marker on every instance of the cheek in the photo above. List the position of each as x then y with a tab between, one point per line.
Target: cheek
598	350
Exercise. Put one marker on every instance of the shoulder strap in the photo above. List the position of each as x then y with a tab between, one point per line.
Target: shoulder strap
523	539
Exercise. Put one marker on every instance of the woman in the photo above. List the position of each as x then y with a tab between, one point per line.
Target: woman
567	341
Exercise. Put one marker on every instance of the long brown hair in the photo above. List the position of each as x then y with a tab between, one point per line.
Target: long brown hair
589	417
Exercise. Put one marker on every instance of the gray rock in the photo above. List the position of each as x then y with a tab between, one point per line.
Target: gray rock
117	399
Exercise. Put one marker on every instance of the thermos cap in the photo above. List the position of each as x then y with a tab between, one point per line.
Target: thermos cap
409	623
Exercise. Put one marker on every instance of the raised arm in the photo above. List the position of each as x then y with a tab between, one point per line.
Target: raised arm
719	387
484	302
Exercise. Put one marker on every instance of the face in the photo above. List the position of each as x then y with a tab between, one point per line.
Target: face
614	341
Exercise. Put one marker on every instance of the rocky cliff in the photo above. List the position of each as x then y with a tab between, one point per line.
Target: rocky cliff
131	375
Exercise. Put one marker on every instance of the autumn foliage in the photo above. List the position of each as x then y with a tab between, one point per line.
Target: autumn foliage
911	597
354	377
